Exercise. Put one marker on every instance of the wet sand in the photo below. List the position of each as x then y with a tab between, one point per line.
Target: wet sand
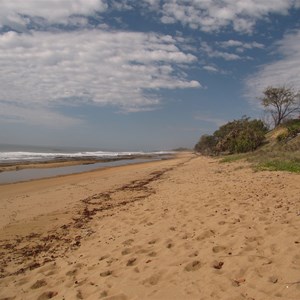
61	169
185	228
65	162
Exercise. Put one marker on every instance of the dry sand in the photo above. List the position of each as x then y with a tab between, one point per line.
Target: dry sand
186	228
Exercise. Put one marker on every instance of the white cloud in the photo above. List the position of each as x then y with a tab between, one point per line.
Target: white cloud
121	5
215	69
218	54
211	15
123	69
206	15
16	13
240	46
282	71
152	3
211	69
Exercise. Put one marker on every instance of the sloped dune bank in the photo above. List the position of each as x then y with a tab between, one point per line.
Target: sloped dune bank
186	228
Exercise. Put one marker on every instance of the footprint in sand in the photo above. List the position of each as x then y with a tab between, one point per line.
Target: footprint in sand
47	295
217	264
194	254
152	241
106	256
152	280
22	281
217	249
193	266
126	251
38	284
170	244
273	279
103	294
128	242
106	273
152	254
296	261
206	234
72	272
116	297
131	262
79	295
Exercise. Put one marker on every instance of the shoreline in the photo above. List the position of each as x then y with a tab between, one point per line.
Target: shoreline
62	162
183	228
48	186
28	171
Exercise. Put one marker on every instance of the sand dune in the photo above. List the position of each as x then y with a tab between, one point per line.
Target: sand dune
186	228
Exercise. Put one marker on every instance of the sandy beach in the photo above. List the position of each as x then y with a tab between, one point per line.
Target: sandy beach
183	228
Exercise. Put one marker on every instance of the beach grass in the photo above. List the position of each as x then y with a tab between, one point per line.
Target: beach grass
278	165
273	156
233	158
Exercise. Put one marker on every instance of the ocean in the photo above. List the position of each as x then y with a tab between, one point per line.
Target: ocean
25	153
11	154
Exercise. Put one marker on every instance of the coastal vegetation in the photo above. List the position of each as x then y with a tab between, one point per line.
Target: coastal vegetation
238	136
280	103
251	140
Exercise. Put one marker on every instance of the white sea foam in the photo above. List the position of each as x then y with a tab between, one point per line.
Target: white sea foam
42	156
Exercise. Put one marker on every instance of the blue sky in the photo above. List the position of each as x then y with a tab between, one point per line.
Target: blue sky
139	75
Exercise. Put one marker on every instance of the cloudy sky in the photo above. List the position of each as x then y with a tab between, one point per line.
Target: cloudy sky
139	75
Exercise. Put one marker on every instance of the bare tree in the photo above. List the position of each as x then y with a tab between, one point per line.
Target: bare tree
281	102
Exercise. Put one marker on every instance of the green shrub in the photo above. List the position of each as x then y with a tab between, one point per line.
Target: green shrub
238	136
206	145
